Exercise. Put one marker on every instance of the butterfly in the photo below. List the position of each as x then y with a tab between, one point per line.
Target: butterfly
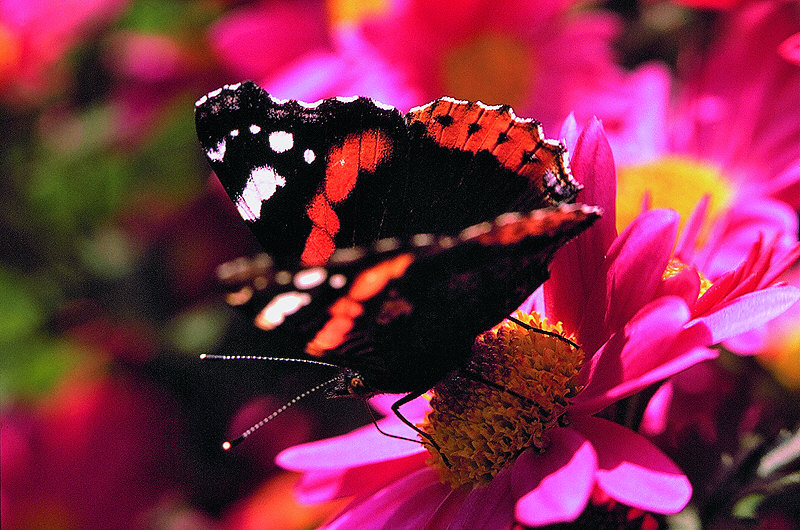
394	239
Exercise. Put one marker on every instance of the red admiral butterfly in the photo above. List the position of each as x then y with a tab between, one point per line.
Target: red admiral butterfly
390	255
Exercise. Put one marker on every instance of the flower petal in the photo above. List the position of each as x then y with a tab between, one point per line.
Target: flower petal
321	486
653	346
576	266
487	507
636	262
632	470
554	486
362	446
749	311
414	410
422	489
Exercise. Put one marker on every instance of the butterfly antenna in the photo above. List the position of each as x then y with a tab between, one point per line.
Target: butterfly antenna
543	332
261	358
254	428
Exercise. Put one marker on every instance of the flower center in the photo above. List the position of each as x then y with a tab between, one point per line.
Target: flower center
672	182
354	11
675	266
482	429
492	68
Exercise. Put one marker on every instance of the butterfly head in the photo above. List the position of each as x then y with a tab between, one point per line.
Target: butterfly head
350	383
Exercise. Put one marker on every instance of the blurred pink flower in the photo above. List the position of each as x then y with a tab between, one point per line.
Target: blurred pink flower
295	50
97	454
636	329
732	132
34	36
151	72
541	58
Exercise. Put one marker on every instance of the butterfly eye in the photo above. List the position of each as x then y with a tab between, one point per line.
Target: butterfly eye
356	385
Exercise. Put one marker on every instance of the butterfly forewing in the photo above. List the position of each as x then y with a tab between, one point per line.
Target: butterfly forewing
313	178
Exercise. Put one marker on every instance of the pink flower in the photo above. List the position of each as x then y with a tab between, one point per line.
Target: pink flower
98	453
34	36
296	51
732	132
151	72
635	328
539	58
724	156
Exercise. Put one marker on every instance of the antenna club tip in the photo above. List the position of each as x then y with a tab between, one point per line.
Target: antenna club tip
203	355
226	446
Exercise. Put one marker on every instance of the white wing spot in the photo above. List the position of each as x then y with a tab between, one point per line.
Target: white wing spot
280	141
383	106
337	281
217	153
200	101
260	186
235	132
310	105
347	99
280	307
234	86
255	129
215	93
310	278
309	156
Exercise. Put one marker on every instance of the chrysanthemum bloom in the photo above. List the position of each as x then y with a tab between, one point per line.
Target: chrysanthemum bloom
538	57
534	450
732	135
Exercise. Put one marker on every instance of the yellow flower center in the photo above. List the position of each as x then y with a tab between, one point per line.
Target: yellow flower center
354	11
675	266
672	182
491	67
481	429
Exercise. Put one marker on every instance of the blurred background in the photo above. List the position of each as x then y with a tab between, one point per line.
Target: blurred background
112	225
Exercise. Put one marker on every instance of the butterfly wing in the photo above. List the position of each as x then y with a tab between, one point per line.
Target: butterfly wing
311	178
405	313
307	178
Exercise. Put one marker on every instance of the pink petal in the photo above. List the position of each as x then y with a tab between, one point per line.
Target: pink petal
790	49
637	260
569	132
684	250
632	470
433	506
294	29
321	486
422	488
414	410
651	347
487	507
576	267
656	415
357	448
554	486
685	284
749	311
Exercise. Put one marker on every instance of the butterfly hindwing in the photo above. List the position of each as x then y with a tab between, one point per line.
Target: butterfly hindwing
406	312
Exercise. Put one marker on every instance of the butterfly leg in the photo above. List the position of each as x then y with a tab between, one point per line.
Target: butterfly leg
396	409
